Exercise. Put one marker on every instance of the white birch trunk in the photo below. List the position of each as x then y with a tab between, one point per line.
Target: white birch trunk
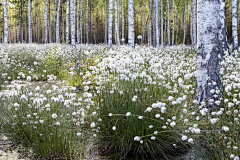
49	23
118	38
154	23
57	24
150	24
223	29
110	23
116	23
157	25
144	21
87	22
81	17
54	22
62	25
234	25
184	21
78	31
123	39
173	29
46	22
209	52
5	22
161	24
194	27
131	23
106	18
72	8
30	20
67	23
168	21
9	34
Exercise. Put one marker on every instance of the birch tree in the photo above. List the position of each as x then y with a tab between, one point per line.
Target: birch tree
62	24
110	23
184	21
57	24
46	22
67	23
234	25
5	22
194	27
87	22
116	23
168	22
106	18
54	21
123	39
144	21
78	31
72	8
81	10
150	24
208	51
223	29
131	23
30	20
161	24
157	24
154	23
173	29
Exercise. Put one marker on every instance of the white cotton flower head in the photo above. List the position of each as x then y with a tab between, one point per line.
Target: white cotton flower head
153	138
236	158
197	131
225	128
184	138
154	105
185	120
173	123
79	134
141	141
151	126
170	98
156	132
128	114
114	128
217	102
137	138
110	114
149	109
185	111
54	115
140	117
163	109
93	124
37	88
232	156
190	140
157	115
28	78
214	120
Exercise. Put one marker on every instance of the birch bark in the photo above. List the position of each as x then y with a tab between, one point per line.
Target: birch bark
5	22
62	25
168	21
87	22
173	29
72	8
150	24
161	24
78	32
194	27
46	22
123	39
110	23
67	23
154	23
30	20
57	24
234	25
131	23
208	51
116	23
184	21
157	25
223	29
81	17
54	21
106	18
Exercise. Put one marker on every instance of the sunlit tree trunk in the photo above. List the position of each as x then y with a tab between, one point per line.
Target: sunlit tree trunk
209	55
144	21
150	24
161	23
223	29
26	26
72	8
49	22
62	24
119	4
154	23
106	18
5	22
234	25
81	19
46	22
54	22
123	38
30	20
116	23
184	21
194	27
57	24
168	21
157	24
21	32
131	23
110	23
173	29
78	31
191	35
9	34
87	22
67	23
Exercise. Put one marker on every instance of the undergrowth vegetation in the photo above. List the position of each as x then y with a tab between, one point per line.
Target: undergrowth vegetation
123	103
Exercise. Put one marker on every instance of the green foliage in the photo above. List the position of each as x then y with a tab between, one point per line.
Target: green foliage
52	62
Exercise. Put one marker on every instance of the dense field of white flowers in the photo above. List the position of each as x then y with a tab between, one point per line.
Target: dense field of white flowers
127	102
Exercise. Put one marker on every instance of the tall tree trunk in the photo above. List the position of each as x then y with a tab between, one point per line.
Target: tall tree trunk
9	25
72	8
119	4
30	20
173	29
26	26
54	21
57	24
21	34
81	19
106	18
131	23
234	25
144	21
208	51
123	38
78	32
194	27
184	21
190	12
110	23
116	23
157	24
49	22
5	22
154	23
67	23
46	22
150	24
161	24
63	33
87	23
178	22
90	22
168	26
223	29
